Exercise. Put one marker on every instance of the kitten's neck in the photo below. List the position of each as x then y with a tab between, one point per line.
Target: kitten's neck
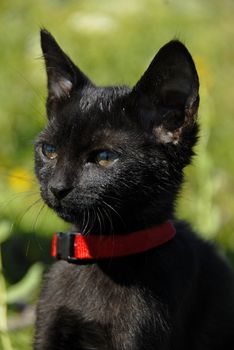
125	225
77	248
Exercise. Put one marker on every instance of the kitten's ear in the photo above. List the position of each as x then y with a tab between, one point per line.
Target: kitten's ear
63	76
167	93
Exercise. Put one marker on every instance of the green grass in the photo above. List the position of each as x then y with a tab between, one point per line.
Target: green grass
22	339
113	42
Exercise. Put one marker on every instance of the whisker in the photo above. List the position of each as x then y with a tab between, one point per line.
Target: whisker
38	214
28	246
20	218
116	199
106	212
111	208
15	196
94	218
33	231
83	221
87	222
99	218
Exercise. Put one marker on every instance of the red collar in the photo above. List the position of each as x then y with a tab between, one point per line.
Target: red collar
75	247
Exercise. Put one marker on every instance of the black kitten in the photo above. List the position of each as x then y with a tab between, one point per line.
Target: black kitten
110	161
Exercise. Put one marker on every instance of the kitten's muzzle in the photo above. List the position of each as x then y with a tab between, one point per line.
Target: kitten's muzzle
60	191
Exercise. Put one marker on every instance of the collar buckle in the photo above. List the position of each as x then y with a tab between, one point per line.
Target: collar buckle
63	246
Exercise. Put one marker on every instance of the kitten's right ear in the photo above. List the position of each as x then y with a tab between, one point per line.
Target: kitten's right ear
62	74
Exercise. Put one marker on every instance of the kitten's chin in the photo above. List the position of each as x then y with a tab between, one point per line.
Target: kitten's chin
65	213
68	215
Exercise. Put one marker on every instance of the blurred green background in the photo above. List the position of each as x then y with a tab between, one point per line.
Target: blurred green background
113	42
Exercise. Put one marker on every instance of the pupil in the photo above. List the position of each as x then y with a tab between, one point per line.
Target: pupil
50	149
105	156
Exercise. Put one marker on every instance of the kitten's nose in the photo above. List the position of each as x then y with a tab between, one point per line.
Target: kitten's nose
60	191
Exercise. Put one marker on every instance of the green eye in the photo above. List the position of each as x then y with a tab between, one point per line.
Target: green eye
106	158
49	151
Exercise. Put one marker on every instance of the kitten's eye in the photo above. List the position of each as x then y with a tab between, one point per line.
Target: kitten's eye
106	158
49	151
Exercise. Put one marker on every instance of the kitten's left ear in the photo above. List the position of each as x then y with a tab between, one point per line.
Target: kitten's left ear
63	75
167	94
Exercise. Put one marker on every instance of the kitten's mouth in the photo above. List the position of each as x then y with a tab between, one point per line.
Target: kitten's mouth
70	211
83	218
89	214
88	220
65	212
68	214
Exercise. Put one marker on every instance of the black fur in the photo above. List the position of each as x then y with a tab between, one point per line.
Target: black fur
177	296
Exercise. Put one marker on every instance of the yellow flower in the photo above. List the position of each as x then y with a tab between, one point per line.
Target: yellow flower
20	180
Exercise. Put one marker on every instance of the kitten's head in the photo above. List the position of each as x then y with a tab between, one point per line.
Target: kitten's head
111	159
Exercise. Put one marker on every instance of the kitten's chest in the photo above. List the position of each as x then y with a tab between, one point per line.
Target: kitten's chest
92	293
87	305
